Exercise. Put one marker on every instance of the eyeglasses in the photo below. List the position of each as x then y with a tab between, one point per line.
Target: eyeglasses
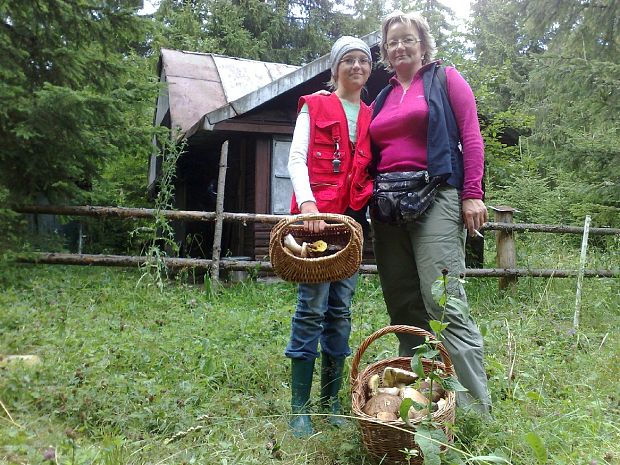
407	42
363	61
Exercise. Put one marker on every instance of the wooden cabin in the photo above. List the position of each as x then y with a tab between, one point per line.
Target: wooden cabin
209	99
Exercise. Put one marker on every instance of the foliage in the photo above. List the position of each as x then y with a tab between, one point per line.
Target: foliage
546	79
436	13
367	15
125	368
67	93
11	224
559	197
160	238
285	31
591	28
576	104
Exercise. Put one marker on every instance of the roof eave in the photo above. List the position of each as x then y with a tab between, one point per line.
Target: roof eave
270	91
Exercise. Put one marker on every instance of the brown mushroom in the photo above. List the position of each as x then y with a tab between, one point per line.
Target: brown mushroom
393	376
382	403
416	396
438	390
387	416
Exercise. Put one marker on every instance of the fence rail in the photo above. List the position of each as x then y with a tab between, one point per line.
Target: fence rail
507	270
244	265
190	215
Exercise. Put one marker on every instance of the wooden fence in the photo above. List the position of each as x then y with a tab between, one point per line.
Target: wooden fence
506	270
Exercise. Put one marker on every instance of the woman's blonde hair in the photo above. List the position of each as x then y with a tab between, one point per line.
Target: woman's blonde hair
408	19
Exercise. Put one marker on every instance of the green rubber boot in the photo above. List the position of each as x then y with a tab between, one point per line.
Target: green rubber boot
331	380
301	382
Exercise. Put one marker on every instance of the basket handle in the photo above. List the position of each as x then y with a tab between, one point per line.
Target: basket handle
333	217
398	329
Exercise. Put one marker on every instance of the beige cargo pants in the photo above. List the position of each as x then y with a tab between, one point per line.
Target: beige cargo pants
409	259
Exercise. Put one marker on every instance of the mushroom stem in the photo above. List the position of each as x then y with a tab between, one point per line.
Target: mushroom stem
291	244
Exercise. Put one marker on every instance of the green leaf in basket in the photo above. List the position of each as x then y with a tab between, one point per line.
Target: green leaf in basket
438	326
416	365
438	290
452	384
435	375
405	405
429	440
428	353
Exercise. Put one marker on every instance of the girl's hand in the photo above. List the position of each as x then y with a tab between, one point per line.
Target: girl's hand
315	226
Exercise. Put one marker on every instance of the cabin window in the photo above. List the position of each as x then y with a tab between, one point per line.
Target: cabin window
281	187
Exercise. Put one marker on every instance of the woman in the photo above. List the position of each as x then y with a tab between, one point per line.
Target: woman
421	126
328	162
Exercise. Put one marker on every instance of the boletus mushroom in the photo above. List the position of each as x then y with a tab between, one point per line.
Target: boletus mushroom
382	403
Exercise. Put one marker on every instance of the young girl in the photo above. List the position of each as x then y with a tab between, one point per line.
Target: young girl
328	162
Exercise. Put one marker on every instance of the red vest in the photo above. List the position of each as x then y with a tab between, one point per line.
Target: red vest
338	175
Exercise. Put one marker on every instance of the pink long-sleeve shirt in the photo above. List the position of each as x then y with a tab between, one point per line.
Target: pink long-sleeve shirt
400	129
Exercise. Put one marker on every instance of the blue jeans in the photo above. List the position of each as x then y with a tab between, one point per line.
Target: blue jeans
323	314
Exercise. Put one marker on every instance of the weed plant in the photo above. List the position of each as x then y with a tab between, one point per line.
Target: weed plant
137	375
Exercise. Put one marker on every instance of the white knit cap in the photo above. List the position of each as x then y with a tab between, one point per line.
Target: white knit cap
344	45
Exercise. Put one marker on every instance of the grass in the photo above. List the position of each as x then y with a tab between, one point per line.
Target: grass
132	375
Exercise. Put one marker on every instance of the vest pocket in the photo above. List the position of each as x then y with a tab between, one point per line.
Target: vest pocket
327	132
324	192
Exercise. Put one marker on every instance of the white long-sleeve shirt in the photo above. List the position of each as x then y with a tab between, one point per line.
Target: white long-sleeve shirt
298	160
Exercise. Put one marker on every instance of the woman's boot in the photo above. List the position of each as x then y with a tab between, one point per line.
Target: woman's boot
331	380
301	382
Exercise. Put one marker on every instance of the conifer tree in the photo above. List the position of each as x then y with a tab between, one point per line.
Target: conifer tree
66	91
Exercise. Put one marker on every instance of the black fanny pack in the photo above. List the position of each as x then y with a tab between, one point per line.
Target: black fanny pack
403	196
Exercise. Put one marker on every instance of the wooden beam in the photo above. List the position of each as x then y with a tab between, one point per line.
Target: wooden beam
135	261
193	215
219	210
505	246
123	212
550	228
258	127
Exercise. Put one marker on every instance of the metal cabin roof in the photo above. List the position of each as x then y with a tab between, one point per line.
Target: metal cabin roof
199	83
259	96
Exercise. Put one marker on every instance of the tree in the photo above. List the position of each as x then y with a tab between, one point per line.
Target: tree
439	17
286	31
546	78
368	15
573	92
68	98
587	27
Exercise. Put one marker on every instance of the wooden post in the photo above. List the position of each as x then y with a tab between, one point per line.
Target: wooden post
582	265
505	246
219	218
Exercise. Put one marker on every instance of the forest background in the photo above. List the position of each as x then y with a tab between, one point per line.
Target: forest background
78	87
136	374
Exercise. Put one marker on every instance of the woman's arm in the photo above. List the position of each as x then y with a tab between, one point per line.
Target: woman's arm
463	105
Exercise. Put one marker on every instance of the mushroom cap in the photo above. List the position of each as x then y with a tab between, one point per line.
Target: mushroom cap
382	403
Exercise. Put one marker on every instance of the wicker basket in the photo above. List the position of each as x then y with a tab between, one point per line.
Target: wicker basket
341	231
385	440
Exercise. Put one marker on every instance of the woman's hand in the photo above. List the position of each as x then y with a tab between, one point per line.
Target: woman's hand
474	215
315	226
322	92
